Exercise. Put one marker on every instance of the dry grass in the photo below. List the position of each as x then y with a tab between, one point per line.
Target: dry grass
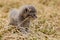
45	27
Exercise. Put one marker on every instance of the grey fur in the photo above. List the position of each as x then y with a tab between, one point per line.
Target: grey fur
18	15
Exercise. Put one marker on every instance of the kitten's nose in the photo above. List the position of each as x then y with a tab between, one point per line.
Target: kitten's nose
35	17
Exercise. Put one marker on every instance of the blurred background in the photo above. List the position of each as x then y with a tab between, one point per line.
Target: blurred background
45	27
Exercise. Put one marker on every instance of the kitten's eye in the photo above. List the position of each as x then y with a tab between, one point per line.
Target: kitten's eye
26	10
32	11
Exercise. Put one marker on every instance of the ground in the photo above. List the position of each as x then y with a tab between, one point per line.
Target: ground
45	27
